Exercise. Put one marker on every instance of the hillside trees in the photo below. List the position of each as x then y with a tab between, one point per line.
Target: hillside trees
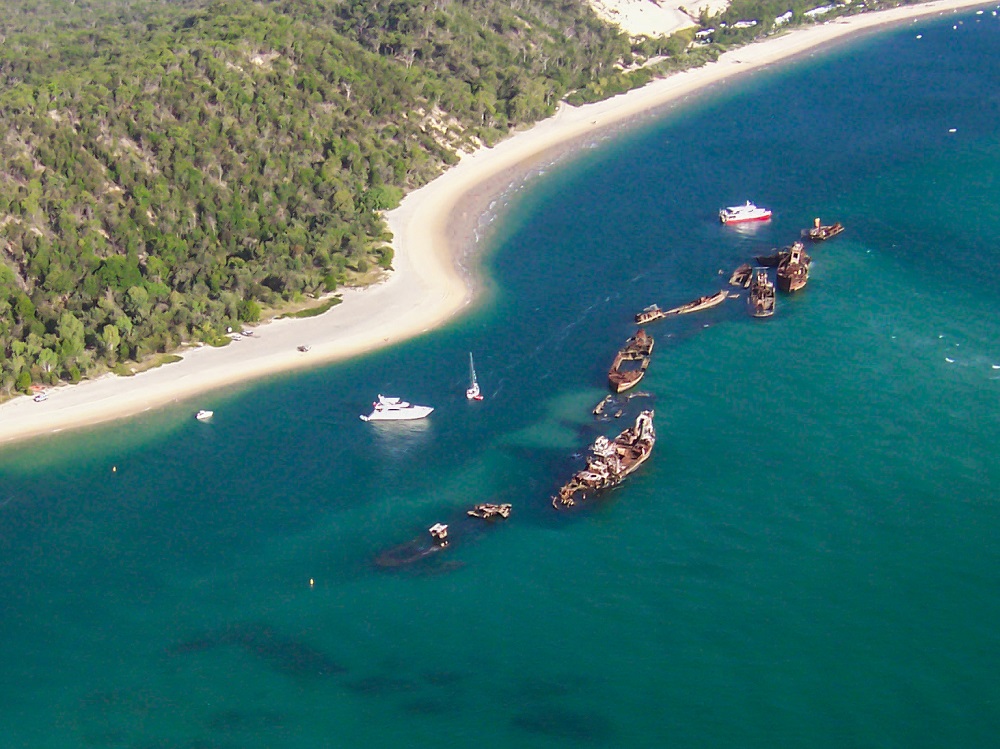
172	168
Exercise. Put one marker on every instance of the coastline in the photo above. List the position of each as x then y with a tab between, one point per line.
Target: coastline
433	228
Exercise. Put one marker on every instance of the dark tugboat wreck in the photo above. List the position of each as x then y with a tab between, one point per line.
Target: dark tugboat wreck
819	232
609	462
793	271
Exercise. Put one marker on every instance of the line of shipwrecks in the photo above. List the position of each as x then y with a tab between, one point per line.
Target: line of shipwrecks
609	461
791	266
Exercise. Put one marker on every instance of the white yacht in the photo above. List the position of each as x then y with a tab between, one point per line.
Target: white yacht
204	415
395	409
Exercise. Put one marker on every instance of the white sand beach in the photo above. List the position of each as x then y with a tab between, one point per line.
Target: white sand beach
653	17
432	227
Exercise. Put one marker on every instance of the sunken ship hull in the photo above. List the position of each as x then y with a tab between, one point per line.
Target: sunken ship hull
793	273
761	299
631	362
610	462
820	232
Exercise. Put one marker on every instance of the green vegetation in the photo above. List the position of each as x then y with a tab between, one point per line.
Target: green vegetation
315	311
728	34
168	169
171	168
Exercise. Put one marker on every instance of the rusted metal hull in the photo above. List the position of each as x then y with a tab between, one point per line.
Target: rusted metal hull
761	299
822	233
742	276
705	302
630	364
610	462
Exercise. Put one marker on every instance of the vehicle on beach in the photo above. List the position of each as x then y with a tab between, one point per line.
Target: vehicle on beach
304	349
39	397
204	415
395	409
761	298
736	214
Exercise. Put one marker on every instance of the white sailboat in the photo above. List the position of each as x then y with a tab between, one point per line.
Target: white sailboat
472	393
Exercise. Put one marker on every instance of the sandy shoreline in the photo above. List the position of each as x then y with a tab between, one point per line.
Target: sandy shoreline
432	227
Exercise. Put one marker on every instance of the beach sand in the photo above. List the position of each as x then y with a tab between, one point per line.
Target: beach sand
433	226
652	17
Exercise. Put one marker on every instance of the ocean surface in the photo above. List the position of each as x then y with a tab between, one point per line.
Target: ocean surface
809	559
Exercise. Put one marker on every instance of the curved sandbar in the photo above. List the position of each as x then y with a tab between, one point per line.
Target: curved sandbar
432	226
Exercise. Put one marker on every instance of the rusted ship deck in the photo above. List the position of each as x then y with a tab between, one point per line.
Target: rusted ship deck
631	362
820	232
609	462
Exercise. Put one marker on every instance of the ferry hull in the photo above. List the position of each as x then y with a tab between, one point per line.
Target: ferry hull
747	220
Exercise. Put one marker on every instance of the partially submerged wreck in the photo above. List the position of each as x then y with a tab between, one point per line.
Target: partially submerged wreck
490	511
653	312
742	276
819	232
793	272
609	462
761	299
631	362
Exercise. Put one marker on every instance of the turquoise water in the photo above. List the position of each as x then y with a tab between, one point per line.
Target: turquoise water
808	559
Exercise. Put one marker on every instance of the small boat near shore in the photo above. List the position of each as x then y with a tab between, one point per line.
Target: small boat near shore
761	299
820	233
204	415
793	272
610	462
631	362
737	214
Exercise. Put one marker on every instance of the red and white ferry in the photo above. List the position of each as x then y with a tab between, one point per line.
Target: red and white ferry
740	213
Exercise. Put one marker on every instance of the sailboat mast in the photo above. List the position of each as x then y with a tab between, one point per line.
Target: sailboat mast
472	370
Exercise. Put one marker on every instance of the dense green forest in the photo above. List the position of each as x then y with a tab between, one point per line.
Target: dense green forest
170	168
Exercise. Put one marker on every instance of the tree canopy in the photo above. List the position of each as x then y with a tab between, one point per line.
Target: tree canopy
170	168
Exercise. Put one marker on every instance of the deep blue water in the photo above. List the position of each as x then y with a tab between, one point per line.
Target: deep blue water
809	559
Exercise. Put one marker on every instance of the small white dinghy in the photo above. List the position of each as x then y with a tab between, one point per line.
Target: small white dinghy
204	415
